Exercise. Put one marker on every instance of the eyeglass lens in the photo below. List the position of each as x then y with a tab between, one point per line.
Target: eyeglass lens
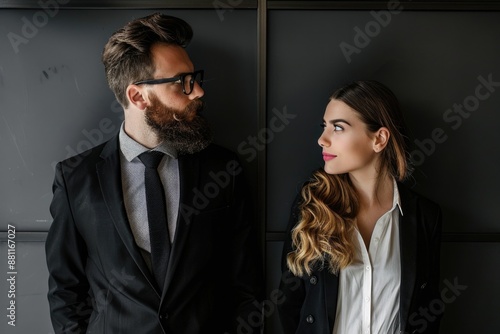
189	81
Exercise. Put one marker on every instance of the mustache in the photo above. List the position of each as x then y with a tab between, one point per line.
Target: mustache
193	109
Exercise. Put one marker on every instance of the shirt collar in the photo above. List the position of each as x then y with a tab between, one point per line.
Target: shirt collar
396	201
131	149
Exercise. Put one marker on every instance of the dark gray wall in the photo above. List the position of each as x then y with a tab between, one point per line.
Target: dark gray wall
432	61
54	102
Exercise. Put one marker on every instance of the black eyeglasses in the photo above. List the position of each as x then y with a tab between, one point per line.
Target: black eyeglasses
187	80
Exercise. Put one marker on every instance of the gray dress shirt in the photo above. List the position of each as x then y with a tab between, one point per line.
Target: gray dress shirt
134	193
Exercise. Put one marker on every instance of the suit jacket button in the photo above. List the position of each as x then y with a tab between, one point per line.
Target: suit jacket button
313	280
310	319
423	286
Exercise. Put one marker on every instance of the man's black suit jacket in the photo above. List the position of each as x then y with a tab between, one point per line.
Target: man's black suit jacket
100	283
309	303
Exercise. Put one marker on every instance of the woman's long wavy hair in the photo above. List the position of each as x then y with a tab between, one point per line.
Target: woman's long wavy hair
330	204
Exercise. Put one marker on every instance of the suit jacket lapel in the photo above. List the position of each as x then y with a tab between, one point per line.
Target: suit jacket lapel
408	251
189	170
108	171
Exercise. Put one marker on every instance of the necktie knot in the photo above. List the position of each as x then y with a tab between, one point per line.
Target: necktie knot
151	159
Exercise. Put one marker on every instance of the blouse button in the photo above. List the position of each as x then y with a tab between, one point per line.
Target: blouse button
313	280
310	319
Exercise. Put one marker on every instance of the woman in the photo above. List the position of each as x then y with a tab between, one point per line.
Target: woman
363	250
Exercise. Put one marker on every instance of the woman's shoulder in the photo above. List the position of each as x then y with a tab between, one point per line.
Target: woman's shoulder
410	197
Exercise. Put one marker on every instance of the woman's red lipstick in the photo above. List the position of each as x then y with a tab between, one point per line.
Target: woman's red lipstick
328	157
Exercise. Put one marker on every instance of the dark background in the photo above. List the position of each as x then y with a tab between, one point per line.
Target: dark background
264	59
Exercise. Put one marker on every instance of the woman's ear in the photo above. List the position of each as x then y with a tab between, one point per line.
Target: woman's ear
381	139
137	96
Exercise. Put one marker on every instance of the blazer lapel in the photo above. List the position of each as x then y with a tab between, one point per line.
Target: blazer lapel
408	251
189	170
108	171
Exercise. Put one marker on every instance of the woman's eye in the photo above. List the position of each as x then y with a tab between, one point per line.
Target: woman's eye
323	125
337	127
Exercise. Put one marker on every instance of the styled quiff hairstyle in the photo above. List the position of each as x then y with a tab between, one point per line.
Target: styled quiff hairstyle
127	54
329	202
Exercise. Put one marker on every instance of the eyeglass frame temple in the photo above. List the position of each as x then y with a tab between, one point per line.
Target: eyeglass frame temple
180	77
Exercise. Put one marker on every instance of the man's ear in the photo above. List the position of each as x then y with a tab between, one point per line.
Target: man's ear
381	139
137	96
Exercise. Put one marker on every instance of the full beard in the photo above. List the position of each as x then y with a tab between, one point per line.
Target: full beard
185	130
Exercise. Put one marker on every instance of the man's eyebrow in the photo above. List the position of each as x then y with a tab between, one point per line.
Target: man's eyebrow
178	74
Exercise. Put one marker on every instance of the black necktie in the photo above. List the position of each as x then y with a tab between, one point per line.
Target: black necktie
157	215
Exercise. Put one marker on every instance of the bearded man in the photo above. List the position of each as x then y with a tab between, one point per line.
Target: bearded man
151	230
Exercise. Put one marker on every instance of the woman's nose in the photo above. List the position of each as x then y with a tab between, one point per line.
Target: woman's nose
323	141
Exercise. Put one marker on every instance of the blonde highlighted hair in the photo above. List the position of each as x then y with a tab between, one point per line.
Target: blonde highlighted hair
329	203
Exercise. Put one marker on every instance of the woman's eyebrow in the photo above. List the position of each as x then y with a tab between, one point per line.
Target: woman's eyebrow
338	120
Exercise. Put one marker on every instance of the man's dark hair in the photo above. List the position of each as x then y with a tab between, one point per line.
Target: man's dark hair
127	54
